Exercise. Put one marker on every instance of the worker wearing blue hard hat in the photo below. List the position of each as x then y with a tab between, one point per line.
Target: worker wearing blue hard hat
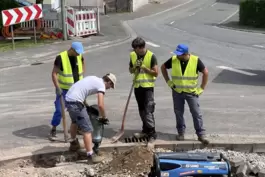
68	68
183	82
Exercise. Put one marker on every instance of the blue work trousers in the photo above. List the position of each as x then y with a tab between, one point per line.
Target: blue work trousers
193	102
57	115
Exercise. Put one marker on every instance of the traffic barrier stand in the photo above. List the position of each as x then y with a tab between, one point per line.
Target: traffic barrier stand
81	23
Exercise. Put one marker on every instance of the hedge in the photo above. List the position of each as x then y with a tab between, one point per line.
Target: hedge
252	13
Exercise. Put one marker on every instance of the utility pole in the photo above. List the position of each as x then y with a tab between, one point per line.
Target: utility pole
63	19
98	24
80	5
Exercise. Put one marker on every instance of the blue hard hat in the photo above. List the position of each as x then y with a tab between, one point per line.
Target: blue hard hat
78	47
181	49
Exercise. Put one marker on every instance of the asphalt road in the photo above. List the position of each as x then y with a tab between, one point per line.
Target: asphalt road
231	104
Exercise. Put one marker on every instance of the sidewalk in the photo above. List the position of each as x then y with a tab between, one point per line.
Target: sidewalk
110	27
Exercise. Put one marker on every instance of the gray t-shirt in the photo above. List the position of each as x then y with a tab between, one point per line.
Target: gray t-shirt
85	87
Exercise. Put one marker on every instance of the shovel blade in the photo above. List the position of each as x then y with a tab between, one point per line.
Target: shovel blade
117	136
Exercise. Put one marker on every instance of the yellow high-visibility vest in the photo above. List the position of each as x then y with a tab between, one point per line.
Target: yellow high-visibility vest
143	79
65	77
189	80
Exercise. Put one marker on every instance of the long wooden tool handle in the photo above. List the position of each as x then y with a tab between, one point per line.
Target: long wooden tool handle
63	117
126	108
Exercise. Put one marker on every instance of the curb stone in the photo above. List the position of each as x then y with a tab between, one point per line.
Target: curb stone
240	29
172	145
129	31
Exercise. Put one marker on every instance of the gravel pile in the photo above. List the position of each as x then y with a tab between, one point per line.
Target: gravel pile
243	164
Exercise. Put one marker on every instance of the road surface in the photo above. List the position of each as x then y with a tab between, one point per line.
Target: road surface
233	101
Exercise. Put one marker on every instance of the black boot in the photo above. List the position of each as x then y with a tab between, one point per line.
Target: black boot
203	139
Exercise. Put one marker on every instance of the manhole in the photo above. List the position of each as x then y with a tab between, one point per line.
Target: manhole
136	140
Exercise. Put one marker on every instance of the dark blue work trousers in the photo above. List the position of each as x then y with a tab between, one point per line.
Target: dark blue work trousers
193	102
57	115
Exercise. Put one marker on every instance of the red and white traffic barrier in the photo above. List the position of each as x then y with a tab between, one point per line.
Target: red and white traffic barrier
22	14
81	23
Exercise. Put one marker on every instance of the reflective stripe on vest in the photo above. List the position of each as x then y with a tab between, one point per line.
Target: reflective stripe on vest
143	79
186	82
65	77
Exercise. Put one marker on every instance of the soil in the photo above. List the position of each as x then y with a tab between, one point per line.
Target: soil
134	162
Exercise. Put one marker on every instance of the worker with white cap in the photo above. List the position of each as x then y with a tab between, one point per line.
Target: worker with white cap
69	67
75	101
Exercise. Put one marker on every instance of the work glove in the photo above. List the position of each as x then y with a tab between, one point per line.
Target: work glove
138	63
58	91
171	84
199	91
104	121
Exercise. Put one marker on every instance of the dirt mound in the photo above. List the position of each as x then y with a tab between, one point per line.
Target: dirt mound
134	162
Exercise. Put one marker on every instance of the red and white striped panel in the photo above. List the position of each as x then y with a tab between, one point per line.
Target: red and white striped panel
86	23
70	21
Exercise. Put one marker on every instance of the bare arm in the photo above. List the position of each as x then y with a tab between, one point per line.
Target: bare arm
101	104
55	71
164	72
153	71
204	78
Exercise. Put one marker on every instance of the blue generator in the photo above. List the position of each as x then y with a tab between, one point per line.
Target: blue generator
179	164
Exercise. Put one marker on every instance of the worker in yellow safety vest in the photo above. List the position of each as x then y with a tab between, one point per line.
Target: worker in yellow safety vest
143	65
68	68
184	75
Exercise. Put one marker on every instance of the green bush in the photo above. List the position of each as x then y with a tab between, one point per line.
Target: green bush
252	13
6	4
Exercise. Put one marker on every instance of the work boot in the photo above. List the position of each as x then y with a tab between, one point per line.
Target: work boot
94	158
74	145
53	133
180	137
203	140
152	136
140	135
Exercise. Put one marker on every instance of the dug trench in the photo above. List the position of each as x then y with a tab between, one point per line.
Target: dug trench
131	162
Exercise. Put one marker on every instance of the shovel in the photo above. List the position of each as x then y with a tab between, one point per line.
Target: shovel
64	119
121	132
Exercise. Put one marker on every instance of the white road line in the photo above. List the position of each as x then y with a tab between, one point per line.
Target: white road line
172	8
236	70
259	46
213	4
44	54
152	44
192	14
227	18
172	22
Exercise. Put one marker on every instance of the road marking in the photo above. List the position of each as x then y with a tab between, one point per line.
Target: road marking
172	8
44	54
236	70
179	30
152	44
172	22
227	18
213	4
192	14
259	46
17	93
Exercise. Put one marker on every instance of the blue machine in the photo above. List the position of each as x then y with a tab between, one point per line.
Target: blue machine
181	164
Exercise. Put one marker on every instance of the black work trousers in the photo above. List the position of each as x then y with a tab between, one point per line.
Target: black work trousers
146	107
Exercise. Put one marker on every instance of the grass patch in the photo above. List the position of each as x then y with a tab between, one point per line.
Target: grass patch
6	45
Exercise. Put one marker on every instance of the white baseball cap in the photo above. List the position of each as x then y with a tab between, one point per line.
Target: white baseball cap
112	78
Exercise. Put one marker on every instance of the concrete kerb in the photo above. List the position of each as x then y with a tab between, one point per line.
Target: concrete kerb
130	34
176	146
